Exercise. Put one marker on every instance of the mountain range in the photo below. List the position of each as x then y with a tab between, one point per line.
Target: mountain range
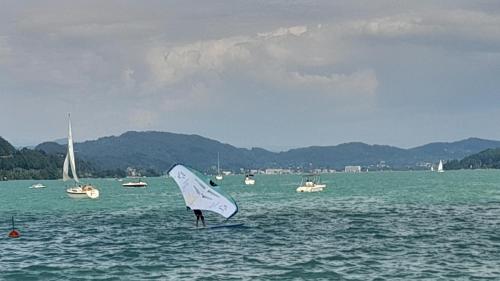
157	151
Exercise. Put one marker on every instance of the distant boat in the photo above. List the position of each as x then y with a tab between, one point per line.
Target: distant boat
432	168
311	183
80	191
219	176
249	180
135	184
38	185
440	167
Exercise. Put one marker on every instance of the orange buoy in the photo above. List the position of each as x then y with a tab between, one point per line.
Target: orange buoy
14	234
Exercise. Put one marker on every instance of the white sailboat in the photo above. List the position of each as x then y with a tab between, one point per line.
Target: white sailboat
219	176
440	167
79	191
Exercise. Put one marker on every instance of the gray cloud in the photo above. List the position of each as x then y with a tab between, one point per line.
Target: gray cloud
296	72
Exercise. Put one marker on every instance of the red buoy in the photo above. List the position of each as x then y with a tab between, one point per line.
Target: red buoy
14	234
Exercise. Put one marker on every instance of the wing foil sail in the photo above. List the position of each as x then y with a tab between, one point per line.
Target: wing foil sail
200	195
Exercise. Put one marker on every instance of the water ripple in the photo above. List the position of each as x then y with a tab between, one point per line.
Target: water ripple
369	227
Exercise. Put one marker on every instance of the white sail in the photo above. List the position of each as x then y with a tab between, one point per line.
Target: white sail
440	166
66	169
219	175
202	194
70	157
218	168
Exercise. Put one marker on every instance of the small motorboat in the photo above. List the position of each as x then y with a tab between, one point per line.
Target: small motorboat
249	180
135	184
38	185
311	183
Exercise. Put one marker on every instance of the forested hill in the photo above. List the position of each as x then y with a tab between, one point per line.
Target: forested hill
487	159
33	164
159	150
6	149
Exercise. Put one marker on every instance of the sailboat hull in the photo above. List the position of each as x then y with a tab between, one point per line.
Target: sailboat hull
83	192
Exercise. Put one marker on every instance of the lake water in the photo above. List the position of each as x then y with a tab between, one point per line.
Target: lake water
369	226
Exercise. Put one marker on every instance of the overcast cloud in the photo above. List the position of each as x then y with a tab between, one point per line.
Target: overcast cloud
274	74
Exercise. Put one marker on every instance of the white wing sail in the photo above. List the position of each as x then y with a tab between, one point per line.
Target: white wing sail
199	195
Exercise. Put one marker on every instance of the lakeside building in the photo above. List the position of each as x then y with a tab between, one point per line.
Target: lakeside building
323	171
352	169
278	171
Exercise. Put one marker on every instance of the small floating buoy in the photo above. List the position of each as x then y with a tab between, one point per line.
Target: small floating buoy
14	233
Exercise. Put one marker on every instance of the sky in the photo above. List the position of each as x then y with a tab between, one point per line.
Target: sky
267	73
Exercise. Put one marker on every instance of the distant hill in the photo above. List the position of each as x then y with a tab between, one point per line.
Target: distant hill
452	150
6	149
37	164
487	159
26	163
157	151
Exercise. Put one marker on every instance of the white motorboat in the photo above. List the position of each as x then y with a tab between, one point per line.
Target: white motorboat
249	180
311	183
135	184
79	191
38	185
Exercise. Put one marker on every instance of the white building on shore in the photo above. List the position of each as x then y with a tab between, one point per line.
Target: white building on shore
352	169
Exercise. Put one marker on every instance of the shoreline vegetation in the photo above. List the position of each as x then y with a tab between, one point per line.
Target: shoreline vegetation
487	159
152	153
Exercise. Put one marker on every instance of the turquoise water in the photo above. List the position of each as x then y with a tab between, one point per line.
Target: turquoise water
371	226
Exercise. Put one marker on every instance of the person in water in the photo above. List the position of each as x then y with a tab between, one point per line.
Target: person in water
199	216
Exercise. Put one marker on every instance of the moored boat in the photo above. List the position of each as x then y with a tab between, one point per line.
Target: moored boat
249	180
311	183
135	184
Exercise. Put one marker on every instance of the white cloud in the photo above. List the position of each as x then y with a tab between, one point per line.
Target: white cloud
455	29
169	59
286	58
